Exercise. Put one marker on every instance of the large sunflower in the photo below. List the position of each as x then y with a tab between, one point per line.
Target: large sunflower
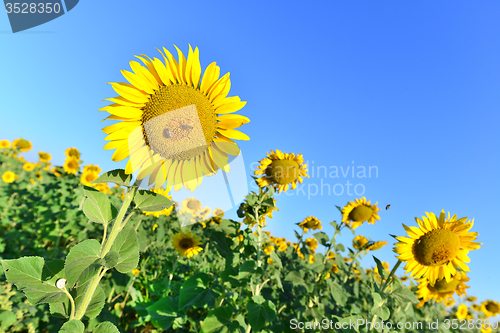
438	247
358	211
281	170
186	244
442	290
174	124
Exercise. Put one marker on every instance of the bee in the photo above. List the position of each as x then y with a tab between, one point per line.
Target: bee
187	127
387	207
166	133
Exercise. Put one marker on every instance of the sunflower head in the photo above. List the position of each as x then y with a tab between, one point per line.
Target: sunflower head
9	176
173	123
449	302
359	242
490	308
358	211
437	248
72	153
281	170
462	312
44	157
102	187
28	166
71	165
311	223
38	175
312	244
376	245
4	144
186	244
191	205
91	168
442	289
218	212
88	177
22	145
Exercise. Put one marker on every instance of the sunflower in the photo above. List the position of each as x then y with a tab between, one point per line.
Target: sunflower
312	244
71	165
191	205
186	244
443	290
72	152
205	211
88	177
359	242
174	124
28	166
268	249
38	175
4	144
358	211
91	167
449	302
218	212
44	157
166	211
374	246
9	176
310	222
281	170
438	247
462	312
471	299
56	171
490	308
22	145
102	187
135	271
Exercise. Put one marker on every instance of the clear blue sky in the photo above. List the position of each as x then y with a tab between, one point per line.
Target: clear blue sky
410	87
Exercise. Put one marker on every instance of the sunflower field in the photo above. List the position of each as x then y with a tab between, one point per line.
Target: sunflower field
84	250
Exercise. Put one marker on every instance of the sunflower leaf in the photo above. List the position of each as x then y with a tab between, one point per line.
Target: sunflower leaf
82	262
117	176
97	207
106	327
127	246
72	326
381	270
151	202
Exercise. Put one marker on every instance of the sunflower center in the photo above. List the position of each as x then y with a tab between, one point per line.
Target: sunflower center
492	307
186	243
179	122
436	247
361	213
193	205
441	286
283	171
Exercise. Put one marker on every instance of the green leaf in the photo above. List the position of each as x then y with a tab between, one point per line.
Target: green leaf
127	246
97	206
322	238
246	268
259	314
72	326
339	248
117	176
62	309
276	259
7	319
219	320
82	262
106	327
111	259
36	278
295	277
338	293
277	277
151	202
222	242
194	292
163	312
381	270
379	308
402	293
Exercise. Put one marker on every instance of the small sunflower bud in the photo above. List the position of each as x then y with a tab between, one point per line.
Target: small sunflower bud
61	283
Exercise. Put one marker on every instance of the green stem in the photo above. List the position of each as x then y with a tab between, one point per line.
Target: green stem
94	282
391	275
72	301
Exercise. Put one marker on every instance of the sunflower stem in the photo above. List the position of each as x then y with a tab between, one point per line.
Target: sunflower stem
391	275
94	282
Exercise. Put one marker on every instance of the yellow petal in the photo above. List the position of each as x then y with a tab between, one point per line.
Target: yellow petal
221	101
161	177
120	153
138	81
178	176
228	147
230	107
144	75
164	73
123	111
234	134
123	101
182	65
129	92
150	70
195	67
217	87
219	158
189	175
210	76
172	63
171	173
232	121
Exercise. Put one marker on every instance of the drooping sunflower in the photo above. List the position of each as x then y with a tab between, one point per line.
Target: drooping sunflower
374	246
186	244
166	211
22	145
358	211
442	290
359	242
175	125
490	308
191	205
281	170
310	222
4	144
44	157
449	302
312	244
71	165
438	247
9	176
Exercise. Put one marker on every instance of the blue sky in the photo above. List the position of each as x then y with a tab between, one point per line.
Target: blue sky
410	88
